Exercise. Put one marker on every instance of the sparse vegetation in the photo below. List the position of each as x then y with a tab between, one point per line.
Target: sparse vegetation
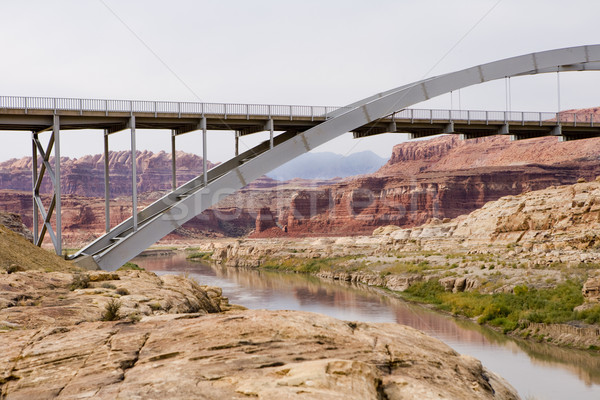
111	310
314	265
200	255
80	281
507	310
122	292
107	285
129	266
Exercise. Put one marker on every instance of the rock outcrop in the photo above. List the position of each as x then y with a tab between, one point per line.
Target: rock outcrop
14	222
263	354
559	219
65	333
591	290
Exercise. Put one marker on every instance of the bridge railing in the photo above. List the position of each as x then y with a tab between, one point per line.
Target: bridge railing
286	111
143	106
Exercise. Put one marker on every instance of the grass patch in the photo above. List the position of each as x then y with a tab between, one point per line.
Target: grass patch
506	310
409	267
314	265
200	255
129	266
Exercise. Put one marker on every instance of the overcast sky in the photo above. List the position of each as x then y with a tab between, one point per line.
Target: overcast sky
325	52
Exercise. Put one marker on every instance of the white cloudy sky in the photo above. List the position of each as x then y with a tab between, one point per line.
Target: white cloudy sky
326	52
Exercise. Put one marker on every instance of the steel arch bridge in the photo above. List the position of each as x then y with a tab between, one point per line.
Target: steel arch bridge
146	227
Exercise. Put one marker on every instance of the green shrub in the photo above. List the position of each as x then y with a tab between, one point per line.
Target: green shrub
200	255
520	290
505	310
129	266
590	316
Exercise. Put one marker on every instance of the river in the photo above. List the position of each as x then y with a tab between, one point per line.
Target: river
538	371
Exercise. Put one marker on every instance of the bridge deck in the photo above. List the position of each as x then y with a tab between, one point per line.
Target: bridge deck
36	114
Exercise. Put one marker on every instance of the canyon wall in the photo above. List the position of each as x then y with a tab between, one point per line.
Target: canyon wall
438	178
84	176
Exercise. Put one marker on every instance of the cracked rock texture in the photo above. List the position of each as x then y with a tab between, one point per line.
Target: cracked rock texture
261	354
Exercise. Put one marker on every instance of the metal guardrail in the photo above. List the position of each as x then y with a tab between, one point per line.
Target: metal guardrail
170	107
268	111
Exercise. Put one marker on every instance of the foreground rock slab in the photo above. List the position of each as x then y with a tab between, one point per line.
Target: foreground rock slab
241	354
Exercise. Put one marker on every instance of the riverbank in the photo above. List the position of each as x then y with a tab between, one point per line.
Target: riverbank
519	298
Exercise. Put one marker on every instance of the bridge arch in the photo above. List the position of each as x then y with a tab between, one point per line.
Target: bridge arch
173	210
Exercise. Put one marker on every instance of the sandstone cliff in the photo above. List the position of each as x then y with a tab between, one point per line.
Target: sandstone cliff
439	178
84	176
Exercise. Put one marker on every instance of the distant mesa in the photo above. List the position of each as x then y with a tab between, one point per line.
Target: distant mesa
327	165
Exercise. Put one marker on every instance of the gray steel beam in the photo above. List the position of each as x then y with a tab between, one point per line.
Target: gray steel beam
173	161
237	143
134	199
106	184
269	126
57	189
204	152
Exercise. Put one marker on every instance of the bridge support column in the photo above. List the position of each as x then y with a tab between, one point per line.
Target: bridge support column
270	127
34	176
237	143
106	184
204	152
56	133
54	174
133	173
173	161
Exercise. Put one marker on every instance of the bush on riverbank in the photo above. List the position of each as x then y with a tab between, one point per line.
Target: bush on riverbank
200	255
506	310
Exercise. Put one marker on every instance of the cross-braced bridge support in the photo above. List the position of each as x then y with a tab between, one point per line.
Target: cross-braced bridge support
39	171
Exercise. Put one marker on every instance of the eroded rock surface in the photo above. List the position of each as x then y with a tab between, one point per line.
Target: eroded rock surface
261	354
37	299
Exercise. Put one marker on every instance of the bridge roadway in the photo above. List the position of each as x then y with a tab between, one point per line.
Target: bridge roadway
36	114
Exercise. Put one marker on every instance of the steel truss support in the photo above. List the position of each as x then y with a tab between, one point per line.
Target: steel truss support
37	177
